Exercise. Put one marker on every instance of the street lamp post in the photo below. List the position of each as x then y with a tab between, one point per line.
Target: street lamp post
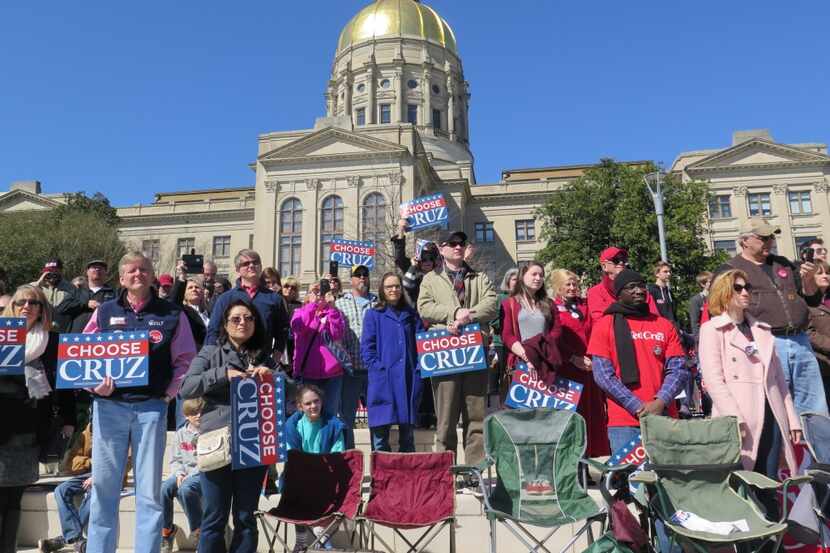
654	182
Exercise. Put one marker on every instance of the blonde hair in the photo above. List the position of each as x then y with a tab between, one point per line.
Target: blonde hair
558	278
27	291
721	292
194	406
134	257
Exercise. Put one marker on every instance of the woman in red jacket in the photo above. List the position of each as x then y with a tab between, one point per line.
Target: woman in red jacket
575	320
529	328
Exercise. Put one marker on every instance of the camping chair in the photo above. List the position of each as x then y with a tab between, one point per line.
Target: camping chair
817	435
411	490
536	454
691	468
317	490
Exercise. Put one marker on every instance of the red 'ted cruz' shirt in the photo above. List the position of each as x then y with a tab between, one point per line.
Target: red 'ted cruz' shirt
655	340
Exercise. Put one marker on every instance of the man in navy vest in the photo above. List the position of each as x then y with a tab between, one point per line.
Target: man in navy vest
136	418
249	286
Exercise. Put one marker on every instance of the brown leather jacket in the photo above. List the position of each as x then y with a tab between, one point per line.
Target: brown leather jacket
78	460
819	332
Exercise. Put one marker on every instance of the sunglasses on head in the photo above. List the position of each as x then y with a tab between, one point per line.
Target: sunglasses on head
741	287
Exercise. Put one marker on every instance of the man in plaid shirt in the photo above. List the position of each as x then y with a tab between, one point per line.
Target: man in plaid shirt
354	305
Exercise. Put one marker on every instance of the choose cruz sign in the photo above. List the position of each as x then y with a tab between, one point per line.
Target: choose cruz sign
527	393
425	212
352	252
12	345
85	359
257	421
440	352
631	453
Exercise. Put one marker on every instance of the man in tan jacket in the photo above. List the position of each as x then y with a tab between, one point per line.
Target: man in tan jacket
452	296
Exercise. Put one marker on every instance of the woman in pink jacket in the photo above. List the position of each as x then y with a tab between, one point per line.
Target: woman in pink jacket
313	361
740	369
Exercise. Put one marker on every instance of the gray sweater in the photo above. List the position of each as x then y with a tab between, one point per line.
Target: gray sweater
184	451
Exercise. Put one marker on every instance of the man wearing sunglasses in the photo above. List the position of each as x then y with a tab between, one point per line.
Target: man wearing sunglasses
612	261
59	292
451	296
270	304
781	294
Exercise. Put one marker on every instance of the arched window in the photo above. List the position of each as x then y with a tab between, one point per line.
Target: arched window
331	227
373	223
291	241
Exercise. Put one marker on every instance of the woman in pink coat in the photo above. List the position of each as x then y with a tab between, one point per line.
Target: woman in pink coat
744	378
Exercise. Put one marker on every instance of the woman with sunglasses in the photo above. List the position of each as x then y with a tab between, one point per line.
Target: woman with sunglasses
742	374
27	409
240	351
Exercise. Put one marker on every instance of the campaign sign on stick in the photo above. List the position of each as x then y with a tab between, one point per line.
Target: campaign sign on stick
12	345
425	212
440	352
529	393
257	421
85	359
352	252
632	453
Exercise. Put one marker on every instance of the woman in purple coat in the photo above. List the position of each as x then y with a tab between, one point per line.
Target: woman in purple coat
388	349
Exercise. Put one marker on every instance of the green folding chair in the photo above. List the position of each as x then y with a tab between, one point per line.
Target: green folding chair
536	454
694	472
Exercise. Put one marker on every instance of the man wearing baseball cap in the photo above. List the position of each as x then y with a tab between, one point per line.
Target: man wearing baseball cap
781	294
88	299
59	292
612	261
452	296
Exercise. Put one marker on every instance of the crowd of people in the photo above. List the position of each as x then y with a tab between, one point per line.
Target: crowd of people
757	346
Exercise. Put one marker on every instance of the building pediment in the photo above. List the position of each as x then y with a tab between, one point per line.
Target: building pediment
333	144
20	200
757	153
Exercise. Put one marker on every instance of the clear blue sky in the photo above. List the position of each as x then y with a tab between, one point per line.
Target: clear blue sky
133	98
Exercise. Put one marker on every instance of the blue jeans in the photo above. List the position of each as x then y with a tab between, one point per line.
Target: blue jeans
73	521
116	427
189	495
406	438
331	391
802	373
353	388
222	488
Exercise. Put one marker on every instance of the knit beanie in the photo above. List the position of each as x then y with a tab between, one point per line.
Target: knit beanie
625	277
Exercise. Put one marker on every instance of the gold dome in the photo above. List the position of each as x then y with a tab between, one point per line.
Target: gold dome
401	18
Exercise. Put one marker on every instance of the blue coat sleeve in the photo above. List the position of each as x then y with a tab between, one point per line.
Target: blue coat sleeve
216	320
369	340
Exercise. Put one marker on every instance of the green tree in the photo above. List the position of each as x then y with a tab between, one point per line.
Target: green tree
610	205
84	229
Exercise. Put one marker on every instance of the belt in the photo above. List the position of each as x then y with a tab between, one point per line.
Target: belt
786	331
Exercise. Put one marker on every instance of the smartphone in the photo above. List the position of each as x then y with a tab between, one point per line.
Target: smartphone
325	287
808	255
194	264
333	267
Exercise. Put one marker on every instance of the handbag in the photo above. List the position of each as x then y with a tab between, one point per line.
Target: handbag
213	449
339	352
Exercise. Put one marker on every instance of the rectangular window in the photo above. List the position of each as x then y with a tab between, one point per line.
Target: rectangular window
436	119
290	249
152	249
720	207
800	203
759	204
727	246
221	246
385	113
360	115
484	232
250	241
412	114
526	230
184	245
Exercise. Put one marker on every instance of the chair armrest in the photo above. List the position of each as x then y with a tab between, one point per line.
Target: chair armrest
648	477
756	480
820	476
603	468
476	469
798	480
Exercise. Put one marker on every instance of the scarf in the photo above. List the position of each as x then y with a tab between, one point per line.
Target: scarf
36	382
36	341
629	370
572	305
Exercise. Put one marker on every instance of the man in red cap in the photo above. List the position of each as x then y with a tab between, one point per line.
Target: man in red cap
612	261
165	285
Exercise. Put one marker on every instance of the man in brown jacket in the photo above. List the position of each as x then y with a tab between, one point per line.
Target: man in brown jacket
452	296
781	295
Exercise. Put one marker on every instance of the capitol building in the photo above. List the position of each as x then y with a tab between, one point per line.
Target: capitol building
396	127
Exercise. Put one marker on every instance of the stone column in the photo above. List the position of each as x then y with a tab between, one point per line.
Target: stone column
370	93
450	107
347	92
397	117
426	89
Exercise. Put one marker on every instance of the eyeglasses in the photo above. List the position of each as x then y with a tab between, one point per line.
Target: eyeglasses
392	287
360	275
455	244
244	264
237	320
619	260
765	238
741	287
820	251
33	303
289	287
635	286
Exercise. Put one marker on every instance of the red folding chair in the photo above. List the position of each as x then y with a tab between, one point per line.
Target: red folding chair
317	490
410	490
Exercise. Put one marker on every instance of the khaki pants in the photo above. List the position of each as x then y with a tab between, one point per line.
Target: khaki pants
461	395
